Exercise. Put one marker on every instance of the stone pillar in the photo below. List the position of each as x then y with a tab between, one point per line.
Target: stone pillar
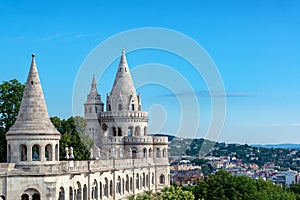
53	152
42	153
29	153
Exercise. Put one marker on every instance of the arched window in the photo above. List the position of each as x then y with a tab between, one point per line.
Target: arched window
71	193
162	179
106	187
48	152
61	195
147	180
25	197
152	179
137	131
130	131
78	193
132	107
144	180
111	188
23	152
137	181
134	153
96	109
85	193
56	152
114	130
35	152
109	107
95	190
100	190
119	131
144	153
118	190
120	107
36	196
164	153
150	153
90	109
145	130
127	183
104	127
131	184
157	152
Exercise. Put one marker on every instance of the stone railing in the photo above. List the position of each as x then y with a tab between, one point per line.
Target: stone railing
132	114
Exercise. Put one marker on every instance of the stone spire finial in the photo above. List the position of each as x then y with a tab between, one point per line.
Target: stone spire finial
33	115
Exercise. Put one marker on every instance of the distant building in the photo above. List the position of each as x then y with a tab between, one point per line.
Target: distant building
125	161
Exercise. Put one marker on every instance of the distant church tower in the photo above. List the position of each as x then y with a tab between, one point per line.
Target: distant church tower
33	139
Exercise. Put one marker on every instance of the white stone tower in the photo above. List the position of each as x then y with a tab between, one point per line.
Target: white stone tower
33	139
92	107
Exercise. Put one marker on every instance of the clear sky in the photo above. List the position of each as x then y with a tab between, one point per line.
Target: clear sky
254	44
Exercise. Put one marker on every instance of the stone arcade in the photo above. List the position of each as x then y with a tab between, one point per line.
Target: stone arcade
125	160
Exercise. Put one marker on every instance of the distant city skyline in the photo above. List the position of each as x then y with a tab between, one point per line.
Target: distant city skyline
255	46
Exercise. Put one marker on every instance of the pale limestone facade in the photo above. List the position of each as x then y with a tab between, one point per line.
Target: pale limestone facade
124	161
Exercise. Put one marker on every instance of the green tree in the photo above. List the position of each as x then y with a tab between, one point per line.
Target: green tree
11	93
72	135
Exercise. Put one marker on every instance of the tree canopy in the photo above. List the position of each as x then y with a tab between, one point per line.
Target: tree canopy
11	93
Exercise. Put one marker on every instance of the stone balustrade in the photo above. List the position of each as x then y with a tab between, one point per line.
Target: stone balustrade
130	114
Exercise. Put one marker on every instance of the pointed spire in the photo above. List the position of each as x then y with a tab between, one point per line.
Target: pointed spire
94	97
123	85
33	115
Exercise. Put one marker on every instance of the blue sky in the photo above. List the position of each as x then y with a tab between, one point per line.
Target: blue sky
254	44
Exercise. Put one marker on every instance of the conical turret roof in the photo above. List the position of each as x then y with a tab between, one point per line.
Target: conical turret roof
93	97
33	115
123	83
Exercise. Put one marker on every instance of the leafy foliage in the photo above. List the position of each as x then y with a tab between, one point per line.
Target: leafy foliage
72	135
11	93
167	193
224	186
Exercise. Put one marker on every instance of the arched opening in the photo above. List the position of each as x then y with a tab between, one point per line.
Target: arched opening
111	188
78	191
119	131
114	130
56	152
61	194
137	181
106	188
144	153
130	131
150	153
145	130
85	193
8	155
127	183
23	152
134	153
131	183
36	196
132	107
100	190
118	185
144	180
35	152
25	197
152	179
162	179
71	193
104	127
120	107
164	153
48	152
95	190
109	107
123	186
2	197
96	109
157	152
147	181
137	131
90	109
